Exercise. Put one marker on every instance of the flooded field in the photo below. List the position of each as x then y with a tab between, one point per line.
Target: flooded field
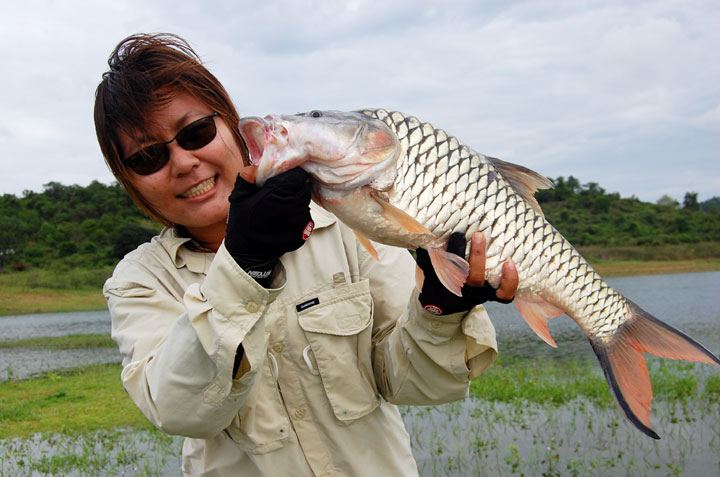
471	437
467	438
24	362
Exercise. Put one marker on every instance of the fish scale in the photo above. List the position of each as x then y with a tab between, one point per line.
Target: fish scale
401	181
500	205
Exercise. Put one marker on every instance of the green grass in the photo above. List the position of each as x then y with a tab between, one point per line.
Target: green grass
610	268
63	342
642	253
73	401
57	279
52	291
19	300
546	382
557	382
92	398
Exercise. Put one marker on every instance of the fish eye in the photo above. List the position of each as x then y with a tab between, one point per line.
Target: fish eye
316	114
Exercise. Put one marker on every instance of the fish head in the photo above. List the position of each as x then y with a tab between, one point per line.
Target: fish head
339	150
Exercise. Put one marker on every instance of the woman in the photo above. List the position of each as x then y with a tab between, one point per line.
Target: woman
274	348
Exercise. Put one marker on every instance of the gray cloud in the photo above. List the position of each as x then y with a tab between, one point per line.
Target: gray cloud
621	93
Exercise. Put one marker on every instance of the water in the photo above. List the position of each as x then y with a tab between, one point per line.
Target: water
475	437
20	327
23	362
470	437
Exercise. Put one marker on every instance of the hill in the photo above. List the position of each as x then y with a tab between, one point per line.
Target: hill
66	227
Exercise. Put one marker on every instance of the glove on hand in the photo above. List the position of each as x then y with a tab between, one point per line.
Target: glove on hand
265	223
437	299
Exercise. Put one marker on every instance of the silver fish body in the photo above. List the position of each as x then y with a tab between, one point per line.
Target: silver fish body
427	184
448	187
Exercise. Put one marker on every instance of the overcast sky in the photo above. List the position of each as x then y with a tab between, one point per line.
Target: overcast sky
625	94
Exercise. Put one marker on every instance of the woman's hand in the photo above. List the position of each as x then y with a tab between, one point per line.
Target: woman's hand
438	300
263	224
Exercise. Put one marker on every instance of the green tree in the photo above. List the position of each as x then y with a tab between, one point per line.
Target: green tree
11	238
128	237
690	201
667	201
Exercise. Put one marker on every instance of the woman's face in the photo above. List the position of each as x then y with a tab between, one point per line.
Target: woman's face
192	189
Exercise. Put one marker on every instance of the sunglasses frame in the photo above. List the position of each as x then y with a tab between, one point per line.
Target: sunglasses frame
160	163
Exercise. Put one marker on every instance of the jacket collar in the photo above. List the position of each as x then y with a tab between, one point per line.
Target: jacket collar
199	262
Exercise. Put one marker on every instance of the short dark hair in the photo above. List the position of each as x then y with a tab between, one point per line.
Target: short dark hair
146	71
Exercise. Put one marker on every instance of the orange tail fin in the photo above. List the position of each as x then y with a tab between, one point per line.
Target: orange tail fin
623	362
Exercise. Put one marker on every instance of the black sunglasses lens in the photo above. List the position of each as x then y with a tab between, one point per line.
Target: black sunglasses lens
149	159
197	134
193	136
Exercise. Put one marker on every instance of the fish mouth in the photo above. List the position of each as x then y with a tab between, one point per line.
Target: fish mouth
259	135
254	131
344	152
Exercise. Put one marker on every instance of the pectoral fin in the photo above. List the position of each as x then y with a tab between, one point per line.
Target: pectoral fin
367	245
452	270
400	218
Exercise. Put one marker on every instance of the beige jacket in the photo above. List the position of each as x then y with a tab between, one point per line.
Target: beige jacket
332	347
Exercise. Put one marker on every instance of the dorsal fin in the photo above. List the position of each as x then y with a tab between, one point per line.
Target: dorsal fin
525	181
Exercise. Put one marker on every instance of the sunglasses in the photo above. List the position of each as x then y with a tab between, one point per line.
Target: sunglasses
152	158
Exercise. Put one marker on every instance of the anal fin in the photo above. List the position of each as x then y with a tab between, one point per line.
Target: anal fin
536	312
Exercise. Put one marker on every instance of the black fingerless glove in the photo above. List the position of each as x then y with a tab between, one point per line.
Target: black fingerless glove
265	223
437	299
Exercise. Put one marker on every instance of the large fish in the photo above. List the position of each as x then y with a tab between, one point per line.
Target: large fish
401	181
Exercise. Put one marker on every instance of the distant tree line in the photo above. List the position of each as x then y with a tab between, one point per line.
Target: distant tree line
587	215
70	226
73	226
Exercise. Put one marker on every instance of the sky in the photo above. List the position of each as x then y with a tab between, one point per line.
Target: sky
624	94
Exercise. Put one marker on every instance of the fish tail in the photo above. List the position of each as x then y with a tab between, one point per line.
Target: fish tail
623	362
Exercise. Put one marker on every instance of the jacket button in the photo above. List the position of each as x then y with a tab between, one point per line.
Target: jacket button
278	347
300	413
436	324
252	307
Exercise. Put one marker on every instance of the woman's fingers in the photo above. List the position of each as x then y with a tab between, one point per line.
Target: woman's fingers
476	277
508	282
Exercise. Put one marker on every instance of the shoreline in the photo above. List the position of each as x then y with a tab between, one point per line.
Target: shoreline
23	300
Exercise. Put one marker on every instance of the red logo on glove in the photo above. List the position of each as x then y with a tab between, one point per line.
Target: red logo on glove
308	230
435	310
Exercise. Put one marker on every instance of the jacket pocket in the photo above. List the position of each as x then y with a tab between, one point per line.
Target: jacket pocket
337	324
261	424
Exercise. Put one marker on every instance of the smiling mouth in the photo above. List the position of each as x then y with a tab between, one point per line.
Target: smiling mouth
199	189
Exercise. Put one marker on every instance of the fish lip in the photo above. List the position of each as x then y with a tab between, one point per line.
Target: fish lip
254	131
